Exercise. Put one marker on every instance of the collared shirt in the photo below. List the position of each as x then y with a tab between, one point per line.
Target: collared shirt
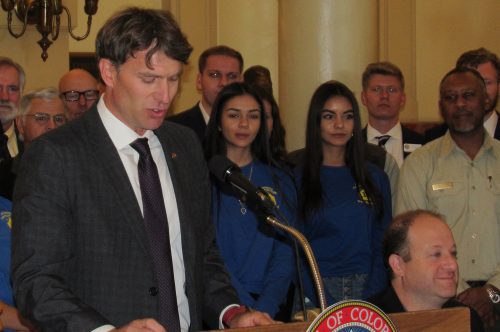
206	117
12	141
122	136
441	177
394	145
491	124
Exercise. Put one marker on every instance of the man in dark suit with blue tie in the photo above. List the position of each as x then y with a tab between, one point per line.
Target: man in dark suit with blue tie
384	97
218	66
112	226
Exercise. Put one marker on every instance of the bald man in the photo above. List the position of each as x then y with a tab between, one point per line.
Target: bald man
79	90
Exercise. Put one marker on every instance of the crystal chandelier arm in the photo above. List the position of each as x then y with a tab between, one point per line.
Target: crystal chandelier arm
70	26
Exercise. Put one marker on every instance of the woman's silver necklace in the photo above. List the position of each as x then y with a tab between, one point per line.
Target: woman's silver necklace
243	208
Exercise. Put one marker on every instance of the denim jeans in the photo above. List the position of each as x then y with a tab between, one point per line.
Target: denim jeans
345	288
339	288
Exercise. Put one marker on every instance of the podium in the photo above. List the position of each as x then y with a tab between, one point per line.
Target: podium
452	319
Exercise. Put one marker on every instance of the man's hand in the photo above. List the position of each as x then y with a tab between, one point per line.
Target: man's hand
141	325
251	318
478	299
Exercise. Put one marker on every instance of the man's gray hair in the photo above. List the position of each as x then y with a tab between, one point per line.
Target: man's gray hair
4	61
45	94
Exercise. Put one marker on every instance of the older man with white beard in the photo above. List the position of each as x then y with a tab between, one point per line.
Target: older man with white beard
12	80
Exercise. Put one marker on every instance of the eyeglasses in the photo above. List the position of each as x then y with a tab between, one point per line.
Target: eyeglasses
75	95
389	90
43	118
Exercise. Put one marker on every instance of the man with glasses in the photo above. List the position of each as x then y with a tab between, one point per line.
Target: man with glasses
79	90
12	80
40	111
384	97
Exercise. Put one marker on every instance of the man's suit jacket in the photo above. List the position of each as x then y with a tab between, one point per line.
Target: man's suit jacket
8	167
81	257
192	118
409	137
439	130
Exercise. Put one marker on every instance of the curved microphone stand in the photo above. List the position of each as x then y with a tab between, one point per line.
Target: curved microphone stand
318	282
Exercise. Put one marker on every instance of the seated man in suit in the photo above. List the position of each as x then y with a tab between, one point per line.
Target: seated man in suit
421	255
488	66
112	228
384	97
218	66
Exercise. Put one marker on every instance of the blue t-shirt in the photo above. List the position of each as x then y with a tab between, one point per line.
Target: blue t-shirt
345	234
258	257
5	226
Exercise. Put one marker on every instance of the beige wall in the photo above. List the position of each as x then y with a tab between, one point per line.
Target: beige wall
425	38
105	9
321	41
444	30
250	26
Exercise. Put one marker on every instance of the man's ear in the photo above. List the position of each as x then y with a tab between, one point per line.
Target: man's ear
108	72
403	100
198	82
363	97
397	265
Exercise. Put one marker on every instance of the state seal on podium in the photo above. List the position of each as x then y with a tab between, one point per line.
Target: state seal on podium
352	316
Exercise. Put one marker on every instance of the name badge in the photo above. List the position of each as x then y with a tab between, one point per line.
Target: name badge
407	147
441	186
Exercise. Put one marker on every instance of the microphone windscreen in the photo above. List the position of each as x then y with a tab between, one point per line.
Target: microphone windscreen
219	165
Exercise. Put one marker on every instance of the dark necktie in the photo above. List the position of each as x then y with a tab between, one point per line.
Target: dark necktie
155	219
382	140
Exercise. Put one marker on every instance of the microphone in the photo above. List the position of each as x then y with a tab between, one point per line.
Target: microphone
228	172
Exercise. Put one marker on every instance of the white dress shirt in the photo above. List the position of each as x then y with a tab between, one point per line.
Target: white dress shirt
206	117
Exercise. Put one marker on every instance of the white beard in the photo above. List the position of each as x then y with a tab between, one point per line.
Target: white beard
8	112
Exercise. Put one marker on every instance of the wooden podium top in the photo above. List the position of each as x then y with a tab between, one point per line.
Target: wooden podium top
452	319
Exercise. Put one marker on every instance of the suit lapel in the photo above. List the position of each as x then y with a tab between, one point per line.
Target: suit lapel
109	163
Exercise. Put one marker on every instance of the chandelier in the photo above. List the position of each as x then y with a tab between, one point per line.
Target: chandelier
46	14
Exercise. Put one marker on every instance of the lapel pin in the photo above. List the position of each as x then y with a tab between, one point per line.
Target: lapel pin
173	155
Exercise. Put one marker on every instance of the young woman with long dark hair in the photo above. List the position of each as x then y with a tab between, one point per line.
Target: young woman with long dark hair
258	257
344	202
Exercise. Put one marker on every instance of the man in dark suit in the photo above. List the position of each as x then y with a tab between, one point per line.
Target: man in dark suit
488	66
12	79
384	97
92	248
218	66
